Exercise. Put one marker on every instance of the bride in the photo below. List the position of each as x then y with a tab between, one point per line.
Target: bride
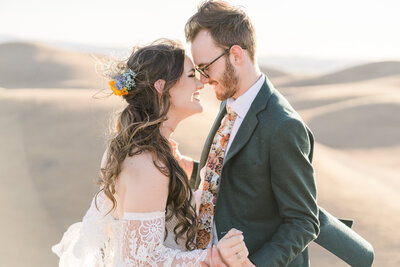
144	214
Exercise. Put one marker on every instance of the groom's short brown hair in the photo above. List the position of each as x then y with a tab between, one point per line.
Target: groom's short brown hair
227	24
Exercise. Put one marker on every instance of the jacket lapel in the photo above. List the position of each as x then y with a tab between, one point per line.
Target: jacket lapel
250	121
210	138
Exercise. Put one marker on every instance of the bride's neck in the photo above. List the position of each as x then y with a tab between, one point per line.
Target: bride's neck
167	128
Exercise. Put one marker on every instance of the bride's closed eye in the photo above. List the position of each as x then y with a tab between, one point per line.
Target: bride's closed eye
192	74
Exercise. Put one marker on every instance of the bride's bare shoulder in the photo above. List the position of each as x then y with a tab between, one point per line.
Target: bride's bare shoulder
145	187
141	166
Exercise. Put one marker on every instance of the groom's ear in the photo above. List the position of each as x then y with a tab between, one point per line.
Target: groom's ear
159	85
236	54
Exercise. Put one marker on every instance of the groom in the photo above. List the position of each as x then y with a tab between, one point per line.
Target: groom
255	170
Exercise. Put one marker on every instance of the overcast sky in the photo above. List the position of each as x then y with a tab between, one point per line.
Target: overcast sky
345	29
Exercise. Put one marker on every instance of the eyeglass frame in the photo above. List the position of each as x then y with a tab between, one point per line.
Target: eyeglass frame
201	70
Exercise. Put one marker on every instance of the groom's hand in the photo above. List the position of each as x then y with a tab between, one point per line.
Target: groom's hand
233	250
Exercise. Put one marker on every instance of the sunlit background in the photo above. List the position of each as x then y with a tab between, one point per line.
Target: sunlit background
337	62
356	30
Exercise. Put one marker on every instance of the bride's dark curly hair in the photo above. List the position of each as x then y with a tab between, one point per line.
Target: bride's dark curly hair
138	130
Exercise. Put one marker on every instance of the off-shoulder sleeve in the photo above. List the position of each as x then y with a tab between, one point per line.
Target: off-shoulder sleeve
140	237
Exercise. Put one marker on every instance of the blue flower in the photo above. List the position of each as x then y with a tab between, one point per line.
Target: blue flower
125	81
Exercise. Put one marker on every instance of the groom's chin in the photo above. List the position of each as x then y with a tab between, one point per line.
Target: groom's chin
219	94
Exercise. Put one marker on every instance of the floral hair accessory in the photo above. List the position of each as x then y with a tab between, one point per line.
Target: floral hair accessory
123	83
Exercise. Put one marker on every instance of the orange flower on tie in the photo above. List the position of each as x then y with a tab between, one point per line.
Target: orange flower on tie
202	239
206	186
232	116
207	209
224	140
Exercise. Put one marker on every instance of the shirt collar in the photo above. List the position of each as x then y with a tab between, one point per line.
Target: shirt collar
242	104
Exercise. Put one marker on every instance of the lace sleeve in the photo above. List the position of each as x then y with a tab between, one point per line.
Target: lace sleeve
140	237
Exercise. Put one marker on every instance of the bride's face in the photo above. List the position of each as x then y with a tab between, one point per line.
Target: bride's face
185	94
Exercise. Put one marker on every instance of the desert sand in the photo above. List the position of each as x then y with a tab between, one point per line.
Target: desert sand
54	121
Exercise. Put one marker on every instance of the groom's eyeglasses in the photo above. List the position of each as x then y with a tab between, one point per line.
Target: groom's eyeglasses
202	70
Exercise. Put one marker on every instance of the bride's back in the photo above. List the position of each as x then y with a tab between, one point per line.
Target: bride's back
140	186
139	176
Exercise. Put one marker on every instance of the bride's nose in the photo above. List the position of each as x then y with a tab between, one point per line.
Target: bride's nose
203	79
199	84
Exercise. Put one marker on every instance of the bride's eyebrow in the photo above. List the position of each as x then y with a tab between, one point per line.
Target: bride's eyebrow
191	70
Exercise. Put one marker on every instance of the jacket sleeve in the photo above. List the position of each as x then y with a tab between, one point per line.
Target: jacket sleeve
293	185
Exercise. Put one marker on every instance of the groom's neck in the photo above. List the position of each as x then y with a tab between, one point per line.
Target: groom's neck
248	76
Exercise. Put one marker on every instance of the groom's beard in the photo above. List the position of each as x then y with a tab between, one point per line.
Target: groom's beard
228	83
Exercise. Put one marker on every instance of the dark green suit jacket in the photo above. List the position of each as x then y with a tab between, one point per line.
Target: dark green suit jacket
267	185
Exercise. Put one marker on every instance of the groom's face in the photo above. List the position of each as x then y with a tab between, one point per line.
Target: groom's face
222	75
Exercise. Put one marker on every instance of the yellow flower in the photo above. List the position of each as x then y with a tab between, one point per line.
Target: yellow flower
115	90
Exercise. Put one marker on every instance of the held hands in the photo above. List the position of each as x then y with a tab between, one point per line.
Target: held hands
213	258
232	250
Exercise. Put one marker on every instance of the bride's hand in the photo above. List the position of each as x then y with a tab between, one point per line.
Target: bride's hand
213	258
232	248
185	162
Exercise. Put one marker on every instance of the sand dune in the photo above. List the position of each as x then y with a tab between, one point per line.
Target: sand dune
280	78
354	74
30	65
34	65
367	193
371	124
52	139
365	113
51	145
272	73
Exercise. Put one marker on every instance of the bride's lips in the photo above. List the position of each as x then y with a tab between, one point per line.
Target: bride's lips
196	96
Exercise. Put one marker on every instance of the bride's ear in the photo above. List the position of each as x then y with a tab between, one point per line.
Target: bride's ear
159	85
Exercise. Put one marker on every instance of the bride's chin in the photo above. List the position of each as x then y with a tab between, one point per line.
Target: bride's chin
199	108
196	109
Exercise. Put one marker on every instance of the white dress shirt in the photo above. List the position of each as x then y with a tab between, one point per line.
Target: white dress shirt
241	106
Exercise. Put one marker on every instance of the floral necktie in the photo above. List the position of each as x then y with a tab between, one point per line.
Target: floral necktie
212	180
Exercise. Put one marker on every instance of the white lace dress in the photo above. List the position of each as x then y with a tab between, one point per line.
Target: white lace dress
135	240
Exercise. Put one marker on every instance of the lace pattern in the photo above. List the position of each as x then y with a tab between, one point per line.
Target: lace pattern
136	240
142	235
